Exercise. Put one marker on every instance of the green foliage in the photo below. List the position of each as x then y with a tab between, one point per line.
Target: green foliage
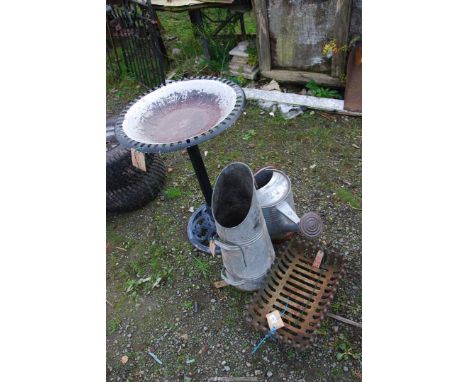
322	136
168	273
190	59
346	196
128	244
172	192
249	134
154	263
241	81
137	267
187	304
215	65
131	285
219	45
323	330
113	325
322	92
159	273
344	350
202	267
252	52
147	273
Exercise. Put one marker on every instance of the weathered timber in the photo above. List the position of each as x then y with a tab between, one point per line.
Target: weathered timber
299	31
341	30
292	35
263	34
295	76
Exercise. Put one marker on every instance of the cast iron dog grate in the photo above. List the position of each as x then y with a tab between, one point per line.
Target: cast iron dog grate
301	286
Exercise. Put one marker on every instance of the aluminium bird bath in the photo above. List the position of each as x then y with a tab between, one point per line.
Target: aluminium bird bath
178	115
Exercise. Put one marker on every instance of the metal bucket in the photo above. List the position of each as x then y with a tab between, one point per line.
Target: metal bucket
276	199
246	247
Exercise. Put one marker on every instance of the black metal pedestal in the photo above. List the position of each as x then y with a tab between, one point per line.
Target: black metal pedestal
201	226
200	171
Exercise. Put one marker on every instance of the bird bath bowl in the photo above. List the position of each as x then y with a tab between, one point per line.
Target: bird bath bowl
178	115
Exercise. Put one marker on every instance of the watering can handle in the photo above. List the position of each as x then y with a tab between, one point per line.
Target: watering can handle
230	247
260	170
228	281
221	244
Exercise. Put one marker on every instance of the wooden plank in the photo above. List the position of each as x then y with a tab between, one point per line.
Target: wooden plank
341	30
345	320
263	34
296	76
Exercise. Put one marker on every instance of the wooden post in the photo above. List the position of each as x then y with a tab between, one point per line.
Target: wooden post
199	30
341	31
263	34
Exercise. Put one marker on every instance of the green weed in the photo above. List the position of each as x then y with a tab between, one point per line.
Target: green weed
252	52
154	263
323	330
120	91
202	267
172	192
249	134
128	244
322	136
345	350
321	91
137	267
114	325
241	81
130	285
346	196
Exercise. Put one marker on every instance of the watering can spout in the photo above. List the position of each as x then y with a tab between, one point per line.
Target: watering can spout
310	225
287	211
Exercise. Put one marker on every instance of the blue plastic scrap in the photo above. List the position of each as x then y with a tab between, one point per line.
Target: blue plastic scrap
155	357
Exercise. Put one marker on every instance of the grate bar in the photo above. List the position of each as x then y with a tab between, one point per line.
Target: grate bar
305	291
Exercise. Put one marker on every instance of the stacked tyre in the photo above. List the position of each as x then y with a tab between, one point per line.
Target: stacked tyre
127	187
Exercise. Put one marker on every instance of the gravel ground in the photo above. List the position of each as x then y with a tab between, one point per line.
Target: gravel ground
160	293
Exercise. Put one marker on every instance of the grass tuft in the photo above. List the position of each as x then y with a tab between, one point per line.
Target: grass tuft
173	192
346	196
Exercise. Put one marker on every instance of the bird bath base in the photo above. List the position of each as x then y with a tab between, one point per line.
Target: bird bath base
201	228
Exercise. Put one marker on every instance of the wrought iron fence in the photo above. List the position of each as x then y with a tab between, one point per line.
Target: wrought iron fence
133	42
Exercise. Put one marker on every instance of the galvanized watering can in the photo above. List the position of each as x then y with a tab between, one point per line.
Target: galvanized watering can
246	247
276	199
